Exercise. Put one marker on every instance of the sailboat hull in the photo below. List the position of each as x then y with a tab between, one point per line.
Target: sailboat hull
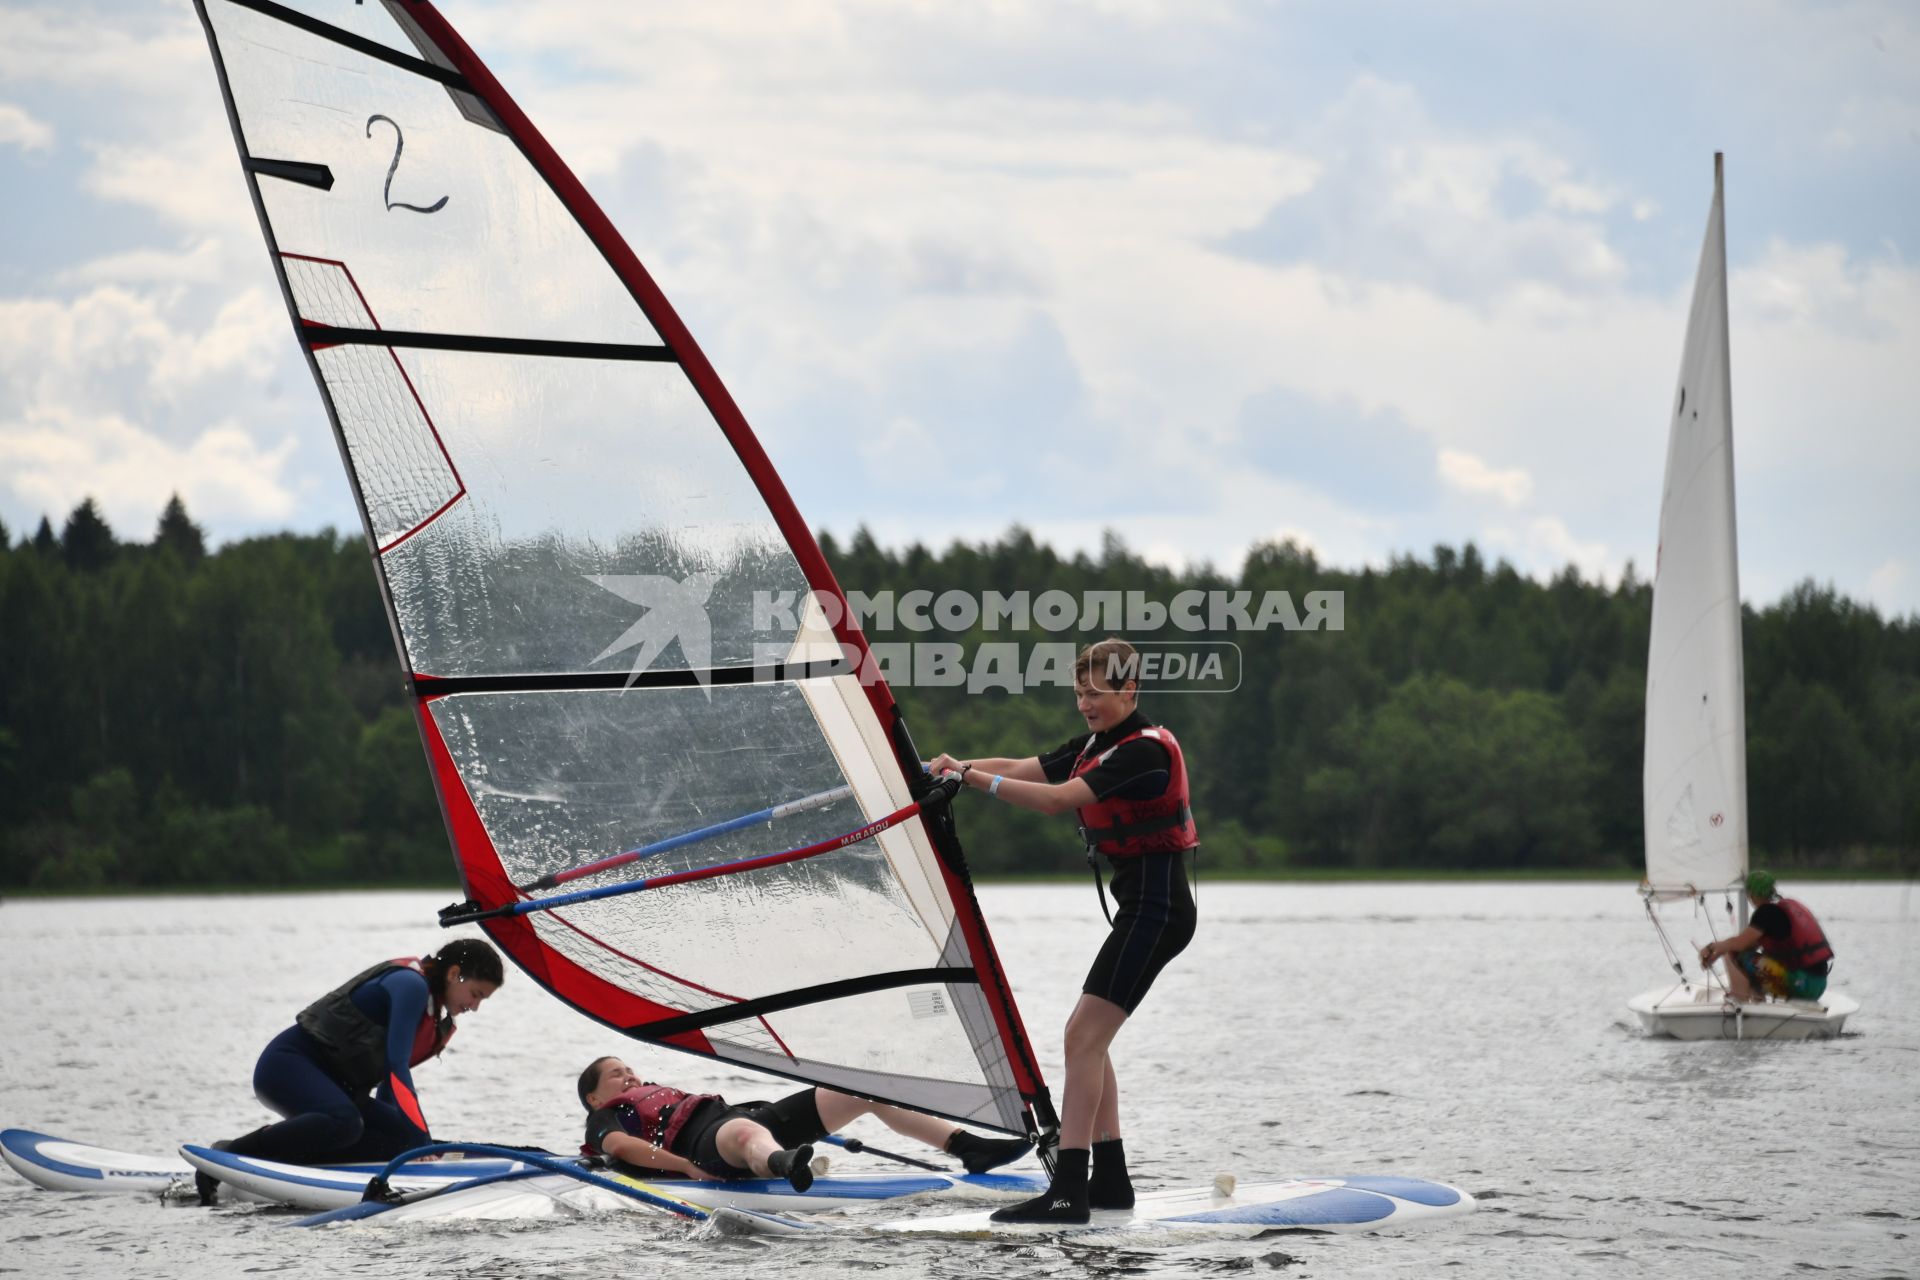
1690	1011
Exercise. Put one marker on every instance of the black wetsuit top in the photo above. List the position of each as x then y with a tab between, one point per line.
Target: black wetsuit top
1156	917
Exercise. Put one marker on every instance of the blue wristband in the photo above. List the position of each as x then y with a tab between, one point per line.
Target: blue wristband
994	790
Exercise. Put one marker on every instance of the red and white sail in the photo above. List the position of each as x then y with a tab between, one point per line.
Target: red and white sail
589	563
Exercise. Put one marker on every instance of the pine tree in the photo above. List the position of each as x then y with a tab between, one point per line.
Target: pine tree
178	533
43	540
6	537
87	542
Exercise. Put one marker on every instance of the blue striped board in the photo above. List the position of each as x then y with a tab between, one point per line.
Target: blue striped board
58	1164
534	1194
62	1164
332	1186
1347	1204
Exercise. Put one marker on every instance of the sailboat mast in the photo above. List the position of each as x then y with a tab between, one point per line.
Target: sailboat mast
1739	757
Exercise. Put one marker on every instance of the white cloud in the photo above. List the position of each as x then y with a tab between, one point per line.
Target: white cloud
118	347
192	180
1470	475
202	262
1401	196
122	395
20	129
143	51
53	459
1544	546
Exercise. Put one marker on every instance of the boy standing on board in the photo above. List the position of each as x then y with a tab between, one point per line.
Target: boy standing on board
1127	782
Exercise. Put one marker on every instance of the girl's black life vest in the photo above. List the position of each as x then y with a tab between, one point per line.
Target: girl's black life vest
355	1046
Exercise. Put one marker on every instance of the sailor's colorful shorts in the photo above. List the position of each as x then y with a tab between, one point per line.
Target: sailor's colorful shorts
1777	980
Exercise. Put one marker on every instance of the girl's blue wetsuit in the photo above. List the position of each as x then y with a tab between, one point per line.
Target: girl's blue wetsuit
329	1120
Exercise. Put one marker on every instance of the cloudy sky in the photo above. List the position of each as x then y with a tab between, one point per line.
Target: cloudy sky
1372	276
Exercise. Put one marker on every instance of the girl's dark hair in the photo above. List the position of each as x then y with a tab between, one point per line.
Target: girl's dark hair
590	1079
476	959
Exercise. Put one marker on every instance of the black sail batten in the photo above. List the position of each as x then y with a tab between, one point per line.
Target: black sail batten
359	44
321	335
798	998
439	686
308	175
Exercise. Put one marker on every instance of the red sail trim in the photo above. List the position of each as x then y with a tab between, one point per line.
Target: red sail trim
346	271
487	883
459	483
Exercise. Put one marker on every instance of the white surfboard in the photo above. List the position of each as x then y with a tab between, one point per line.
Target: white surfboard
1311	1204
439	1188
332	1187
61	1164
58	1164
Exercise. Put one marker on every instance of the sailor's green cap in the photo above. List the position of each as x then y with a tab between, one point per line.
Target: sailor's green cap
1760	885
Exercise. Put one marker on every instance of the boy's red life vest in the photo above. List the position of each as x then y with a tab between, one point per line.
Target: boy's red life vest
1129	828
1805	944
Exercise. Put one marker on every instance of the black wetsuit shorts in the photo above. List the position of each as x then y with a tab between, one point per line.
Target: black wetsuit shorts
1154	923
793	1120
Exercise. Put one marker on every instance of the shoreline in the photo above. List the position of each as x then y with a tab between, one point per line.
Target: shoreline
1292	875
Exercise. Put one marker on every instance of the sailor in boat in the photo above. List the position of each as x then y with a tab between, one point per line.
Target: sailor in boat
654	1128
342	1074
1783	952
1127	782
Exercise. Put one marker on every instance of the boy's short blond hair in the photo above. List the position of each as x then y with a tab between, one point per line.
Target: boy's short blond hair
1114	659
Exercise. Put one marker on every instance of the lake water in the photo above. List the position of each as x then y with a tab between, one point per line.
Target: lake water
1470	1033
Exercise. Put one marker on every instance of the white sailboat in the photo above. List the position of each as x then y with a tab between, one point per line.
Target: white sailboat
1694	784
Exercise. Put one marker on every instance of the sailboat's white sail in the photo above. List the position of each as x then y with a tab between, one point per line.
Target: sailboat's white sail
1695	781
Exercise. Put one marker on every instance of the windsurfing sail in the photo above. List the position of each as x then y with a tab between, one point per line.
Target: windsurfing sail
609	611
1695	780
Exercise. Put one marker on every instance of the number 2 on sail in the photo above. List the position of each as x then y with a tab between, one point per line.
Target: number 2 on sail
386	192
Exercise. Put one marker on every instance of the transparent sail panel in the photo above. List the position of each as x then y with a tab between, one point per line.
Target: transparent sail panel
444	224
369	19
1695	771
561	779
901	1029
606	524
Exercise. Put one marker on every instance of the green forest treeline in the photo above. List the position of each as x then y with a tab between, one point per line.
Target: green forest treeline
173	716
